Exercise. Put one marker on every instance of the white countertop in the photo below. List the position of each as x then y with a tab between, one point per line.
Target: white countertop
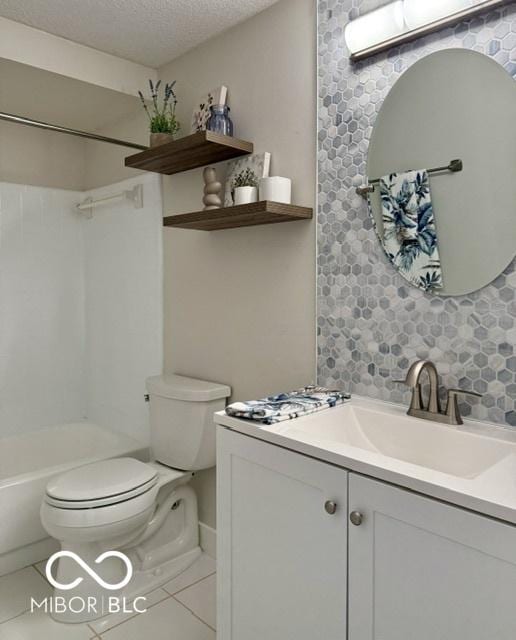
491	492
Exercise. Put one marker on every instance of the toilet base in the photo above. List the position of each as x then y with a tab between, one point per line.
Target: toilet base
165	547
144	582
123	602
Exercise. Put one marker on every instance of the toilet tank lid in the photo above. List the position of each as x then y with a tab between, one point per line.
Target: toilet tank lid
188	389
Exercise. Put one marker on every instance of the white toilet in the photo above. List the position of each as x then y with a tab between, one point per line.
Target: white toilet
145	510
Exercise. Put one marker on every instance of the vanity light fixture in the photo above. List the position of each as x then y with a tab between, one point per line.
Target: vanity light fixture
405	20
377	26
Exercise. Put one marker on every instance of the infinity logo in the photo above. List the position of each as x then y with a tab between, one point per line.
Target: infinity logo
89	570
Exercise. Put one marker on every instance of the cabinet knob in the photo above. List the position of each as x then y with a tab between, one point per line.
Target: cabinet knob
356	518
330	507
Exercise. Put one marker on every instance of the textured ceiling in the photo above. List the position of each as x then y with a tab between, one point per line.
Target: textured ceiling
151	32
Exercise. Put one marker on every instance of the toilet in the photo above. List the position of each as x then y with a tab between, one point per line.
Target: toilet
146	510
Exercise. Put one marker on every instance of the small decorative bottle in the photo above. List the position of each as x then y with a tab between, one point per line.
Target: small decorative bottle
219	120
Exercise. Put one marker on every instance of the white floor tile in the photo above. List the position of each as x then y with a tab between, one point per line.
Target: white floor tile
40	626
203	567
16	590
41	566
168	620
108	622
200	598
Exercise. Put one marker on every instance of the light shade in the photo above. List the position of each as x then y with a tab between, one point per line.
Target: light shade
377	26
419	13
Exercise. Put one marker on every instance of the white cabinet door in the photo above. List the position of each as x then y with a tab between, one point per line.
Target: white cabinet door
281	557
420	569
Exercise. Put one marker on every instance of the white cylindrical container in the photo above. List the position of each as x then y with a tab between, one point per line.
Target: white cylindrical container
276	189
245	195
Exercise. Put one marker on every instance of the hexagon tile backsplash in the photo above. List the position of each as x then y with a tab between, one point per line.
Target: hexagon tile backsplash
371	325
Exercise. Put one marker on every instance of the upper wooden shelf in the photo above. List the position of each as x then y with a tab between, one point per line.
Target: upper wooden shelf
197	150
243	215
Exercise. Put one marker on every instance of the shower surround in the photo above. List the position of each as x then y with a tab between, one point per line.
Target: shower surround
80	308
371	324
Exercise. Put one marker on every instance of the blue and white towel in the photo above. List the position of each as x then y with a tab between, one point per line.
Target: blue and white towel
409	233
287	406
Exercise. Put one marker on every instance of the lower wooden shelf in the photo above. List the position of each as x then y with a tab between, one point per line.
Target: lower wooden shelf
243	215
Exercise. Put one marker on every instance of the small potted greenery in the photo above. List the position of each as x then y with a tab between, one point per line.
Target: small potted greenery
245	187
161	112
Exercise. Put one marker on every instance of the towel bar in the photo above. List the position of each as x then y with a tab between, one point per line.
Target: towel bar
454	166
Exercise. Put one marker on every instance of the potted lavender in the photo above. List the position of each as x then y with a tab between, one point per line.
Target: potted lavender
161	112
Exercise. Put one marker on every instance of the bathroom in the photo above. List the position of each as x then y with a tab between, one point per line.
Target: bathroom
149	291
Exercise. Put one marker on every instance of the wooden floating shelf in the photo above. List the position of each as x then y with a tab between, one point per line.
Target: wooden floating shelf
243	215
198	150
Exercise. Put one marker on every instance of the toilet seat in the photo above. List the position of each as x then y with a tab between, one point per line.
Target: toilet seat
105	493
101	484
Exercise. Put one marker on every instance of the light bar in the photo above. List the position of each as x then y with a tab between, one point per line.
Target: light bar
405	20
419	14
380	25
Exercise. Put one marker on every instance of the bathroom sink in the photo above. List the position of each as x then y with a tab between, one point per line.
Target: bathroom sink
457	451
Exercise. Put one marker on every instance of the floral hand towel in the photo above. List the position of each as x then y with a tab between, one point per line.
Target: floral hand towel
287	406
409	234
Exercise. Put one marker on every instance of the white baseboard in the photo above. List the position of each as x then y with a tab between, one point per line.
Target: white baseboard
208	539
25	556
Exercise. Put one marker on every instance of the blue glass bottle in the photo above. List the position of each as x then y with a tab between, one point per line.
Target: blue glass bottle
219	120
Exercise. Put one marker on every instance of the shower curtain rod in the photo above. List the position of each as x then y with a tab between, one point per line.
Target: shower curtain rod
9	117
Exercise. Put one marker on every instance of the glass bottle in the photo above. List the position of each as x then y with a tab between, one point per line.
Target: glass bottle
219	120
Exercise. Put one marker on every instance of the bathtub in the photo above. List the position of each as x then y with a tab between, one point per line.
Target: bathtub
27	462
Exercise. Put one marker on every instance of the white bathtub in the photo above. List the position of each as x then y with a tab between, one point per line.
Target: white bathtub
27	462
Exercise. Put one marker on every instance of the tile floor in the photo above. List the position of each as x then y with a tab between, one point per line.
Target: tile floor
183	609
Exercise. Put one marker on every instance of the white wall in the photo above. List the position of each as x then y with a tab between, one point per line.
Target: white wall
240	304
124	306
30	156
105	162
41	308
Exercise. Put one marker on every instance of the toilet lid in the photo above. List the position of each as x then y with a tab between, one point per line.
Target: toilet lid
100	480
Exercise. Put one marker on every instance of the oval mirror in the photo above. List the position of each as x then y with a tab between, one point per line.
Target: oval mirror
449	232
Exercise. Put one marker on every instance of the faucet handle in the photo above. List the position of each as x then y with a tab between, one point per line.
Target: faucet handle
464	392
452	406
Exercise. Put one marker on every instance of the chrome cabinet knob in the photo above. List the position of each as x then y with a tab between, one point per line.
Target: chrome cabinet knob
356	518
330	507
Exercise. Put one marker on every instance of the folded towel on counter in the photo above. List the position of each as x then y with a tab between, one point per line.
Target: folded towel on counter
287	406
409	233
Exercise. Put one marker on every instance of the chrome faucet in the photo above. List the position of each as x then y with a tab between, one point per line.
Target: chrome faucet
451	415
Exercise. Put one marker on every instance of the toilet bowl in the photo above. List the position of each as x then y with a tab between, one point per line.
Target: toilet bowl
145	510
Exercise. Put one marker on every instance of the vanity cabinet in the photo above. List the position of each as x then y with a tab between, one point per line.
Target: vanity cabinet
282	552
419	569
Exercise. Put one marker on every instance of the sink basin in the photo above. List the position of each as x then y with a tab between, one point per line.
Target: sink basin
472	466
457	451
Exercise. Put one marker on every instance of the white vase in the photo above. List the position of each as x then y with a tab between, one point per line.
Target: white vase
245	195
276	189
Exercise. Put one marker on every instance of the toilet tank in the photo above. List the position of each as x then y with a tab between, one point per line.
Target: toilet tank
181	420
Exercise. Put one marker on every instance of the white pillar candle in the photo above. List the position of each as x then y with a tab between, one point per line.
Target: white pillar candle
276	189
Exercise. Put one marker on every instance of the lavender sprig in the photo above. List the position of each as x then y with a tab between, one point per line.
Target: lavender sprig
163	116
